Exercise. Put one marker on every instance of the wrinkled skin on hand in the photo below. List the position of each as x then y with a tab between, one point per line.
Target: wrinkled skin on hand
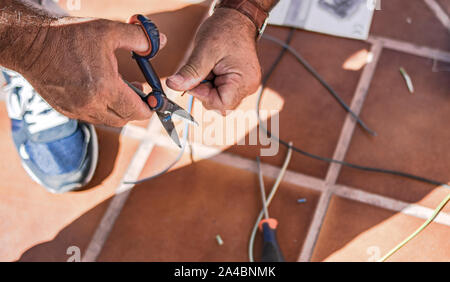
225	52
76	71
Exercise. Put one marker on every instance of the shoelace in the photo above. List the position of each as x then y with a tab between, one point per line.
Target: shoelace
36	112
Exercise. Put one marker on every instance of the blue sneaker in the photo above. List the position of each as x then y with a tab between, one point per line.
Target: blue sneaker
57	152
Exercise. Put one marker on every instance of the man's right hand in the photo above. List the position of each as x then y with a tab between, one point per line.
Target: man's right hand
76	70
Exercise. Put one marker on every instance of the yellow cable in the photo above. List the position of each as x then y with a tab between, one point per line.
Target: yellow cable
421	228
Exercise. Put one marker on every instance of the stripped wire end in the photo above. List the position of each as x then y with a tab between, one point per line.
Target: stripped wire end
408	80
219	240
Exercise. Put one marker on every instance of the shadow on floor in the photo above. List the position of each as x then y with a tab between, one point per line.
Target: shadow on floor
167	220
76	234
108	148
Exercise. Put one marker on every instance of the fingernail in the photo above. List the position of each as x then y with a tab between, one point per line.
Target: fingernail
176	79
163	39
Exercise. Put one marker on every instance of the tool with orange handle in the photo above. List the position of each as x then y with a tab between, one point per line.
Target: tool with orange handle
268	226
157	99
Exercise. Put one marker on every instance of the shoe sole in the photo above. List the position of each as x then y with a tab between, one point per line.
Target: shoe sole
90	175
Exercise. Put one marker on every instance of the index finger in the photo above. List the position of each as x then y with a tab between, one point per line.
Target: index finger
223	95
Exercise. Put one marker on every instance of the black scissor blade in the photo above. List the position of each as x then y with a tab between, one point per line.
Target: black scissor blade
174	109
135	89
166	120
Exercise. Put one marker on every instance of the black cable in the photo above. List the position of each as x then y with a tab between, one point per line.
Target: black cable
278	59
287	47
314	73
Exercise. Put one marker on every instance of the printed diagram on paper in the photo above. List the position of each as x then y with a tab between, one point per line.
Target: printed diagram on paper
345	18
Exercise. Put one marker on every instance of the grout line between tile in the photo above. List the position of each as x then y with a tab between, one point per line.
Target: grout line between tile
339	154
439	12
350	123
410	48
415	210
119	199
316	225
425	213
316	184
270	171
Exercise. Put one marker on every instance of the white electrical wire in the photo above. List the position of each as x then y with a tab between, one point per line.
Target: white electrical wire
268	201
180	154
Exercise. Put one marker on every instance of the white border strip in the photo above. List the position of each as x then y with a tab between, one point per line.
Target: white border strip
440	14
270	171
343	191
415	210
410	48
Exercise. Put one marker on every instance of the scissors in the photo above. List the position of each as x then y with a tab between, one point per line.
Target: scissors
157	99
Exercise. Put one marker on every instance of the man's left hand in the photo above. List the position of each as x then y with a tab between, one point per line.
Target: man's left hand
224	53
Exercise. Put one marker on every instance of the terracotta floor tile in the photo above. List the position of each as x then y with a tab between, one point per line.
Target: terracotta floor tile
411	135
357	232
445	4
177	217
424	27
36	225
434	198
160	158
122	10
309	116
140	123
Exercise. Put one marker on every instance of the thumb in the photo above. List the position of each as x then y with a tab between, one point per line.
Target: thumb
192	73
133	38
